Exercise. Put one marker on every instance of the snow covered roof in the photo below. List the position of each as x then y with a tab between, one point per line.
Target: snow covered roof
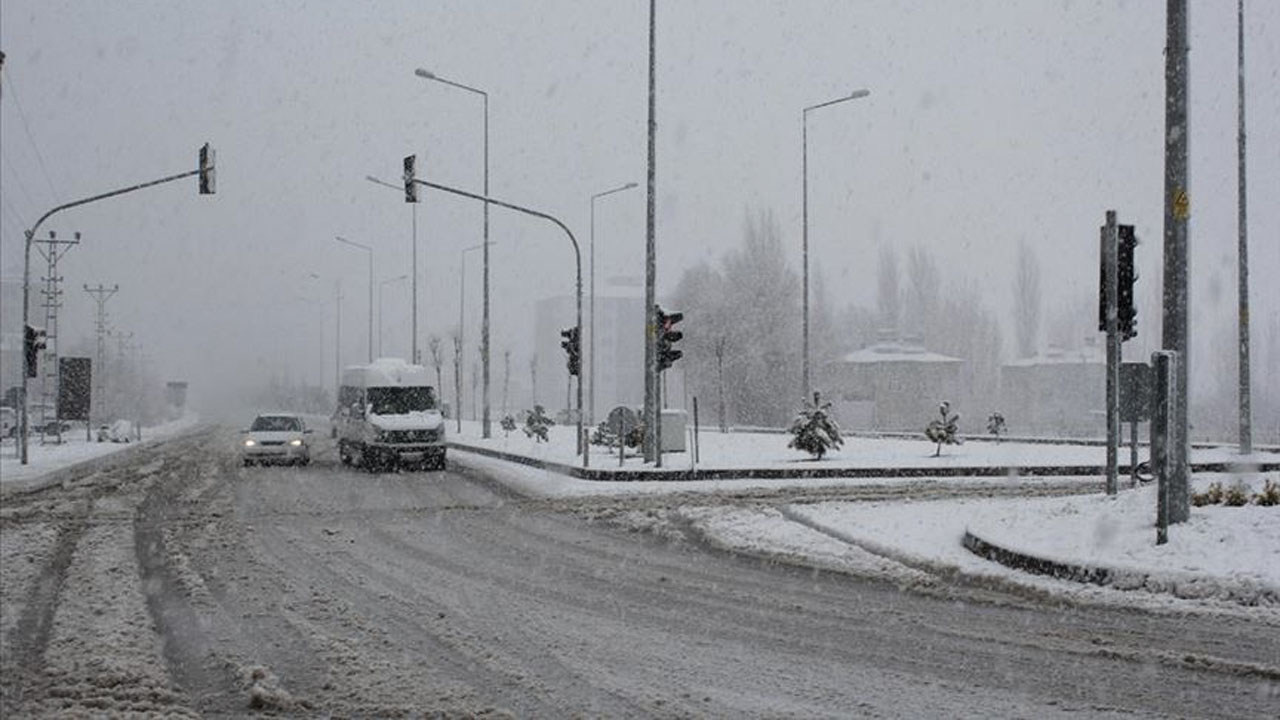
890	351
385	372
1055	356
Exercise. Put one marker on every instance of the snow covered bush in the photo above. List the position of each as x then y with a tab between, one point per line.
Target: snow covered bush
1270	495
1211	496
508	424
995	424
1237	495
536	424
944	430
814	431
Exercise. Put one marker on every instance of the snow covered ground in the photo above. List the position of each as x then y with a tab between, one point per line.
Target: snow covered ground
769	450
1224	559
44	460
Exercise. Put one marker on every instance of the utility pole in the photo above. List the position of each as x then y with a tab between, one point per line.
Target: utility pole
101	294
1177	213
651	414
1246	419
52	301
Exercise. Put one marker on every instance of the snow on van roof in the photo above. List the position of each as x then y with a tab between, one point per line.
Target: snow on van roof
385	372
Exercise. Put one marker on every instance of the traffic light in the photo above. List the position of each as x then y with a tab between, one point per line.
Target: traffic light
207	170
33	342
667	337
1127	312
572	345
410	187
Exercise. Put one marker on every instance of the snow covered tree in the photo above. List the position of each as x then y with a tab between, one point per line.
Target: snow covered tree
536	424
814	431
944	431
508	424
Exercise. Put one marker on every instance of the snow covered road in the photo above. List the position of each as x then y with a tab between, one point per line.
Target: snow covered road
185	584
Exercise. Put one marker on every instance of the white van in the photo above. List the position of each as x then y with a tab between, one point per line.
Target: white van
388	415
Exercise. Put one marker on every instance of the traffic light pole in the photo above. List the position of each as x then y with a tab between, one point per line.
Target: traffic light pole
24	426
1111	295
577	255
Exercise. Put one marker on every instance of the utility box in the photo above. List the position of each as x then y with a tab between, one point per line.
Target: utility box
675	425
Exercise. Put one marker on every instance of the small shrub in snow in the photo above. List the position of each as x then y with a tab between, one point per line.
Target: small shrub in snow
508	424
536	424
995	424
814	431
1270	495
944	430
1211	496
1236	495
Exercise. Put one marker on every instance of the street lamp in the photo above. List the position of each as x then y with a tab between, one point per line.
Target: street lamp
591	360
369	250
484	322
381	317
413	302
804	384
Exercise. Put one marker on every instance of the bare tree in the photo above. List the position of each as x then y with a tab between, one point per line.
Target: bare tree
506	378
437	361
533	379
457	376
1026	301
889	294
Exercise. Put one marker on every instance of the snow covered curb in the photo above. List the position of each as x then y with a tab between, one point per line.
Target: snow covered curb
114	454
1182	585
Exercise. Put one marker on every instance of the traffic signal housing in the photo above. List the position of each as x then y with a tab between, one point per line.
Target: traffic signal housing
410	174
208	178
1127	312
668	336
572	345
33	342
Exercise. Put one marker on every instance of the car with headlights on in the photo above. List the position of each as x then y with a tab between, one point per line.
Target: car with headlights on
273	438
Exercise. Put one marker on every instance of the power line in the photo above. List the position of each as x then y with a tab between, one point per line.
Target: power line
13	93
13	214
21	185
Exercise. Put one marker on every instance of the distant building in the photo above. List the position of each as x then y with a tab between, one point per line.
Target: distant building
1060	394
619	350
891	385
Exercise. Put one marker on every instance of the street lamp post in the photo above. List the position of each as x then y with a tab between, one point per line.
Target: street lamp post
484	322
369	250
382	318
804	152
462	304
591	359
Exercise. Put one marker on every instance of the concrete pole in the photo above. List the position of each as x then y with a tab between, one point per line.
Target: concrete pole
1242	292
651	416
1177	213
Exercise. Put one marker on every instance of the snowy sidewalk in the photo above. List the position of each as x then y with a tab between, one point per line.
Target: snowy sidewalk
48	463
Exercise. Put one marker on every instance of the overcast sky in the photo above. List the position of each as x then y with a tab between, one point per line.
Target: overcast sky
987	123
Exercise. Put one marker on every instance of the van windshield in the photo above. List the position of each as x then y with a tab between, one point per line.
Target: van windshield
401	400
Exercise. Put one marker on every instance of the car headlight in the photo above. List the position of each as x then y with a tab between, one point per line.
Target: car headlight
295	443
250	443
